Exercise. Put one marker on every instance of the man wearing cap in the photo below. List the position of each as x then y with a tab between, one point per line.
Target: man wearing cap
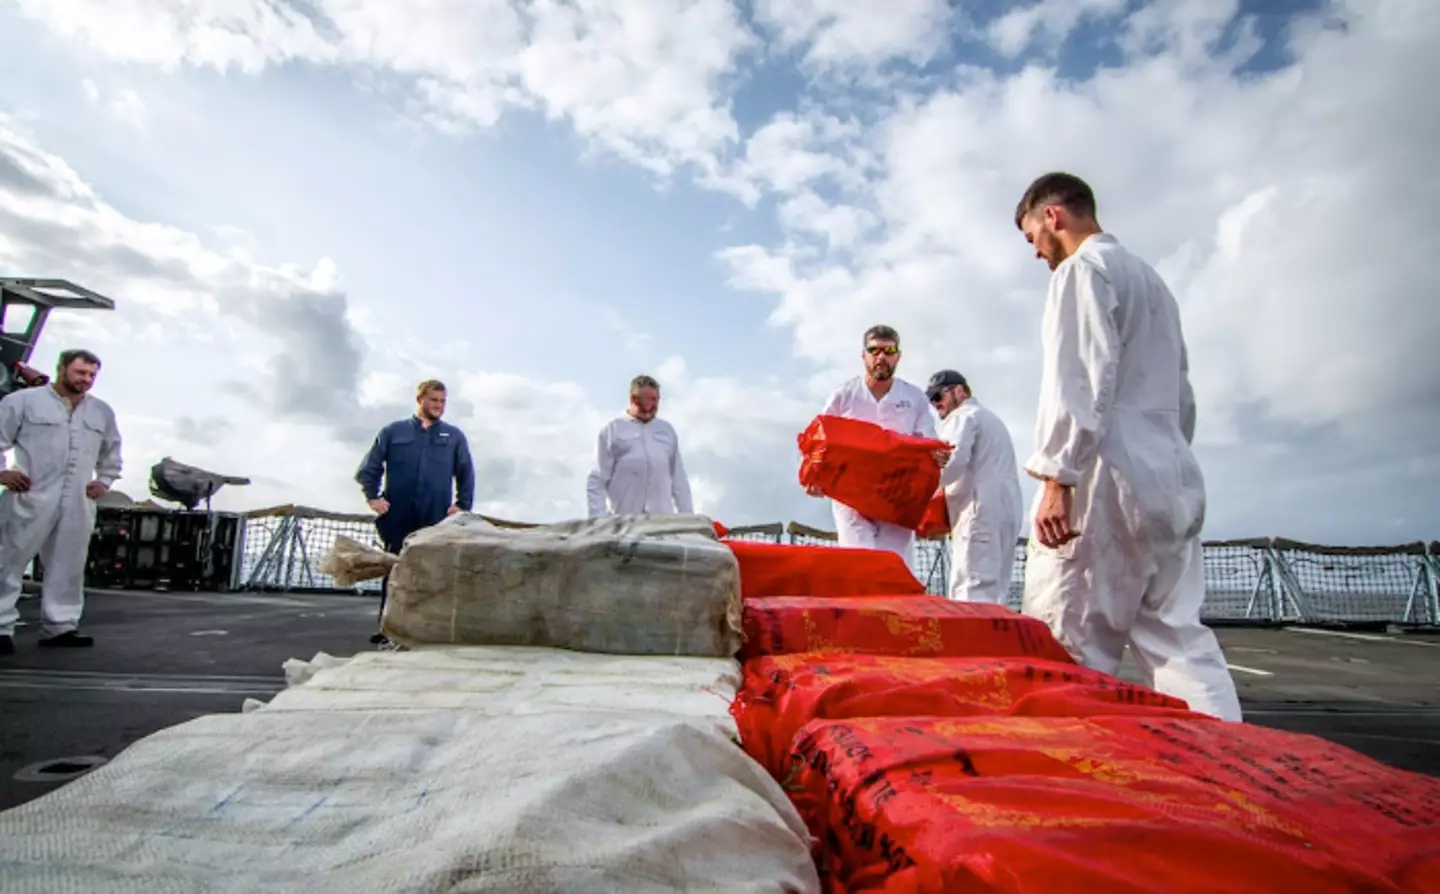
883	398
981	483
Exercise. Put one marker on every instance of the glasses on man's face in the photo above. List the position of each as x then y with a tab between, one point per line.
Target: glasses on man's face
937	400
877	350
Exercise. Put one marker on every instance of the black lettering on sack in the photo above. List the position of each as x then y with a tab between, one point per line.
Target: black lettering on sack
862	833
883	790
967	764
774	633
850	744
894	855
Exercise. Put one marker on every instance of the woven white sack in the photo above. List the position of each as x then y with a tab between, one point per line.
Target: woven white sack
506	680
442	801
627	585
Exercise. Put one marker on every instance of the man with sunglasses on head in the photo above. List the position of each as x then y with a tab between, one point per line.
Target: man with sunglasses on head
981	483
883	398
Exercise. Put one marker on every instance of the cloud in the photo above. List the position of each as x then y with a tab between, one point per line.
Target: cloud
123	106
843	33
639	78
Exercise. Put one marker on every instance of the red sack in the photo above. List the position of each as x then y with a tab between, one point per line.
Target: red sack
880	474
1111	805
936	521
776	569
918	626
782	693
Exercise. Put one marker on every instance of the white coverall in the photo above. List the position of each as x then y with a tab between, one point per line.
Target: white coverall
638	470
982	492
1116	418
61	451
905	410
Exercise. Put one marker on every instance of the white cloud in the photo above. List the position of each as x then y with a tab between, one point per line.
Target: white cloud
123	106
640	78
846	32
1049	22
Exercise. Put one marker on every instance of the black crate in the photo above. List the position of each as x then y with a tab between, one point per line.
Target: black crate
160	549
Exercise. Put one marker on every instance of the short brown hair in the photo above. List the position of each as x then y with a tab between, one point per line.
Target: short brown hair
642	382
428	386
882	332
1057	188
70	356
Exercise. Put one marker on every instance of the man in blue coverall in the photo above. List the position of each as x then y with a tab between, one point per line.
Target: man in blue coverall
420	458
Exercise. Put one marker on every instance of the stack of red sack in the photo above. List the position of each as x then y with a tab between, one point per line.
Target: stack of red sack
938	746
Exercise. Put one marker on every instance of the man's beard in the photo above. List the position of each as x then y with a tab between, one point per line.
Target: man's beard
881	373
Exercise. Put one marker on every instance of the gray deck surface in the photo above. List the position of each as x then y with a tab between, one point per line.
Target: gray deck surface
164	658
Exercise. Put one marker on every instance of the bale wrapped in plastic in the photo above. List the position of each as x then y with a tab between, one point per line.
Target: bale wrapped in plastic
785	569
879	473
632	585
917	626
782	693
1108	805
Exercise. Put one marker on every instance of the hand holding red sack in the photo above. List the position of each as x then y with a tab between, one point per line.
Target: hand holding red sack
880	474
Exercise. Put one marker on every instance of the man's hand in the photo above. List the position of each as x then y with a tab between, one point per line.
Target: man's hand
1052	520
96	489
815	491
942	455
14	480
380	505
452	510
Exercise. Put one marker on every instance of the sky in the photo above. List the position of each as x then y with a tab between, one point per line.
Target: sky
304	207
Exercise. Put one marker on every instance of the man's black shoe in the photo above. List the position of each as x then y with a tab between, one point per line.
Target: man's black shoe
7	645
68	640
379	638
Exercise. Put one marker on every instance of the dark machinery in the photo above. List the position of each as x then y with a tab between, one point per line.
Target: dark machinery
25	304
187	485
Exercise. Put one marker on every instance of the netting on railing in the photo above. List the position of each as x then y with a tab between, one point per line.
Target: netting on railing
1246	580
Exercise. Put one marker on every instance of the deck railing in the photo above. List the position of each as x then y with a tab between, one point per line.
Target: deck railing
1262	580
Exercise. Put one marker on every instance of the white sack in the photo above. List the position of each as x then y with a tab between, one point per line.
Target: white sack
445	801
633	585
508	680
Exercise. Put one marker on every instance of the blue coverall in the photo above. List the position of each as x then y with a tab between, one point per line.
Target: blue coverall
419	466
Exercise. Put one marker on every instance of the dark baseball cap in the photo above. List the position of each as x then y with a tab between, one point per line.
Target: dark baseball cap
943	379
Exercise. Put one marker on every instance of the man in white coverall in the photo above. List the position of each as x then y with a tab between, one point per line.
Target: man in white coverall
881	397
982	491
638	470
67	454
1116	556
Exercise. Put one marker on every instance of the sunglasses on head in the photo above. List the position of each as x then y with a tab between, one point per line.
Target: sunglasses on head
887	350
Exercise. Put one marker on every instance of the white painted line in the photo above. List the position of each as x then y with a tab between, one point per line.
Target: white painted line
1250	670
1365	637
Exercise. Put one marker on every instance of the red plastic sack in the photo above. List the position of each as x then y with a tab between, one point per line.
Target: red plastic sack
1112	805
918	626
936	520
775	569
782	693
880	474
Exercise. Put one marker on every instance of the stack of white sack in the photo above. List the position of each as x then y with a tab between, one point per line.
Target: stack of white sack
479	769
514	680
629	585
